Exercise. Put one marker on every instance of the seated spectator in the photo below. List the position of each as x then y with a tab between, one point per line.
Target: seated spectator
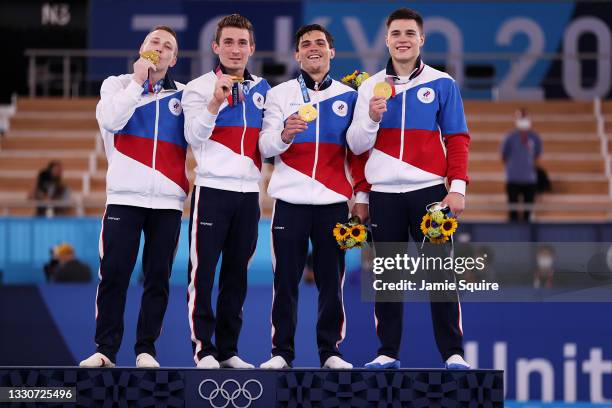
69	268
51	187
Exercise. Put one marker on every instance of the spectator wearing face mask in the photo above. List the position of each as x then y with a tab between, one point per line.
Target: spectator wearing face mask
520	151
544	272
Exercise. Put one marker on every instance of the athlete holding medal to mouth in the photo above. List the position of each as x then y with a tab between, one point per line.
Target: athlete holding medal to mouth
141	125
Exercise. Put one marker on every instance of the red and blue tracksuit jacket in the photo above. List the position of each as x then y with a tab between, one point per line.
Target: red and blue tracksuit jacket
225	145
142	130
422	138
317	167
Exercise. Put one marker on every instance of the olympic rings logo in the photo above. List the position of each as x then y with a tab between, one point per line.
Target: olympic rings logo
219	392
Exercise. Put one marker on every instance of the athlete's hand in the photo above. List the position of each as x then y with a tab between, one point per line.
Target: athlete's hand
141	70
378	106
361	210
293	126
456	203
223	89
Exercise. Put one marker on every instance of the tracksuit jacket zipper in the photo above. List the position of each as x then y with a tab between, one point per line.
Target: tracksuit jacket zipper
316	158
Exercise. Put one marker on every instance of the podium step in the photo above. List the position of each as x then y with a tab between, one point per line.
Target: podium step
178	387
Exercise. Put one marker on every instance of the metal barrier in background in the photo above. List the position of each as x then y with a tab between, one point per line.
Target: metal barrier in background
497	76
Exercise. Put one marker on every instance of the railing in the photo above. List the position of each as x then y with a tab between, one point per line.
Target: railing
79	206
51	206
603	137
500	74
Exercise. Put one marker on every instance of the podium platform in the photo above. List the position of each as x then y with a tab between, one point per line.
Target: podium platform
300	387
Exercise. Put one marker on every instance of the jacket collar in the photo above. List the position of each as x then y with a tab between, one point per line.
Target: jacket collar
419	66
310	83
168	82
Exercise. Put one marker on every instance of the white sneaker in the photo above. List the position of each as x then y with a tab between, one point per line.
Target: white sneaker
336	363
456	362
97	360
235	362
145	360
208	362
275	363
383	362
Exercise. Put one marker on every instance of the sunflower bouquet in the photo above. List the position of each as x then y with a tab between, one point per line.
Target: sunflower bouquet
353	234
438	225
355	79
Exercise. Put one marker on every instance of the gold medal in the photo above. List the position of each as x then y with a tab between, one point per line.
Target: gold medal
383	89
237	79
307	113
152	56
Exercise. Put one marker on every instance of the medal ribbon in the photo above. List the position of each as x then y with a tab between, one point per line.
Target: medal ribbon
147	87
238	90
390	81
304	89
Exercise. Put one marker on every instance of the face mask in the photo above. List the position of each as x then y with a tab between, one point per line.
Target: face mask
545	262
523	124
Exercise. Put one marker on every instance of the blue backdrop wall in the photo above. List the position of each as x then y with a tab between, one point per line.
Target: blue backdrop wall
25	244
516	29
550	351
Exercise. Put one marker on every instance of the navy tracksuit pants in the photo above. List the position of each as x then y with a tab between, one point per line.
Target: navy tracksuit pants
225	222
395	216
293	225
122	226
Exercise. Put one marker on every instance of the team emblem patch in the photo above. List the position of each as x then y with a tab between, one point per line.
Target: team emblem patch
340	108
175	107
426	95
258	100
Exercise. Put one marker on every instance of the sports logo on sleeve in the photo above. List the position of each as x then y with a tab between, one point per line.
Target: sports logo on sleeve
258	100
174	105
426	95
340	108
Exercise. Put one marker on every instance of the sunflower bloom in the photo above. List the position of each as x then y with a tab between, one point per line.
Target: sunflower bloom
425	224
448	227
340	232
358	232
